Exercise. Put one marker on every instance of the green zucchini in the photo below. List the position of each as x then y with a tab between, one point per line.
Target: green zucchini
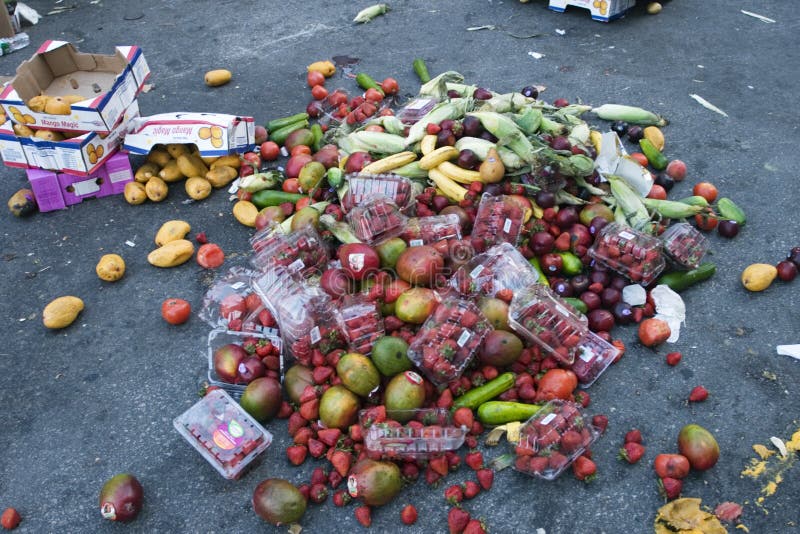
653	154
477	396
365	82
279	136
695	200
271	197
277	124
500	412
680	280
422	70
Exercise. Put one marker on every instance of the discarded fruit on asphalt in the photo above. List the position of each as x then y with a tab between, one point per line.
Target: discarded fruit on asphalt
121	498
61	312
699	446
278	501
758	276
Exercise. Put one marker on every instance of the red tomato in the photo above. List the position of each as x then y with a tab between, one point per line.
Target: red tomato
176	311
252	157
337	98
314	78
300	149
291	185
671	465
318	92
640	158
657	192
302	203
707	190
210	256
253	302
706	222
244	195
390	86
556	384
233	306
373	95
270	150
653	332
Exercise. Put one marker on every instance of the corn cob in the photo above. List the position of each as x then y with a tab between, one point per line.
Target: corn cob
411	170
629	202
457	174
670	209
369	13
375	142
631	114
529	120
427	144
507	132
437	86
451	189
440	155
389	163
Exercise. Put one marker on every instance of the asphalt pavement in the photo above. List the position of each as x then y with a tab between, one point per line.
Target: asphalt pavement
98	398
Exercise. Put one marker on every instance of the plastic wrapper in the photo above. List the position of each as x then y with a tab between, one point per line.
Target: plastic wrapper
416	109
594	355
426	432
376	219
363	186
247	356
361	323
227	436
633	254
501	267
427	230
684	245
300	251
499	219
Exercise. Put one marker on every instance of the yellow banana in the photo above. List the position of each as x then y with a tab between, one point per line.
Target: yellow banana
428	144
456	173
596	138
390	163
451	189
440	155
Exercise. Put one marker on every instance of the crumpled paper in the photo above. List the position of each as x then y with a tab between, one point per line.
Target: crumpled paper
634	295
669	308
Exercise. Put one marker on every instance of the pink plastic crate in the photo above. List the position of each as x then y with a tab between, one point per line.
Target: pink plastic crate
46	190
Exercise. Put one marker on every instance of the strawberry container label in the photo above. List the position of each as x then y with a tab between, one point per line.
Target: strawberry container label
361	323
301	251
448	340
428	230
499	220
631	253
376	220
594	356
227	436
684	245
363	186
426	432
501	267
552	439
540	316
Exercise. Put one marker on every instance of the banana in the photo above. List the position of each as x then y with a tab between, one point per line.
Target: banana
440	155
596	139
390	163
451	189
456	173
428	144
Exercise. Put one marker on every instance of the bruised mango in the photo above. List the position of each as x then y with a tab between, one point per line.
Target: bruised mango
198	188
171	254
61	312
110	268
217	77
172	231
156	189
221	176
134	193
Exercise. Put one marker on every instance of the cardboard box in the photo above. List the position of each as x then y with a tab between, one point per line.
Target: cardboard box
109	83
54	191
80	155
214	134
602	10
6	24
10	147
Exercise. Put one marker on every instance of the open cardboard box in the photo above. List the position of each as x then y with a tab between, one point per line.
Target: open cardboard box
109	83
6	26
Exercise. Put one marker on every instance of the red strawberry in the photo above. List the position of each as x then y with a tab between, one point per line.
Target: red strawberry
318	493
356	433
583	399
329	436
505	295
571	441
431	476
302	436
305	490
364	516
474	459
474	527
318	476
463	416
285	411
631	452
408	515
334	479
10	519
410	471
670	488
445	399
296	454
471	441
728	512
296	422
471	489
321	374
600	422
457	520
453	460
341	461
454	494
309	393
485	478
439	465
673	358
584	469
310	410
633	436
316	448
341	498
698	394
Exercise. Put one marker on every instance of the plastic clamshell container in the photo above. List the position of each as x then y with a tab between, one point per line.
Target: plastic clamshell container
425	433
226	435
633	254
540	316
219	338
416	109
498	219
684	245
500	267
363	186
299	251
449	340
427	230
360	321
376	219
552	439
594	356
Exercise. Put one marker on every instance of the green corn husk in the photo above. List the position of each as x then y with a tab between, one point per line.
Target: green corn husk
389	123
462	89
481	149
670	209
552	127
411	170
339	229
581	181
629	202
505	103
369	13
437	86
629	114
505	129
453	109
579	134
373	142
562	197
529	120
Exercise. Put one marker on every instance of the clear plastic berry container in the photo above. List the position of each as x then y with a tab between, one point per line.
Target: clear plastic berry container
237	358
449	340
416	109
540	316
417	434
363	186
552	439
228	304
502	267
498	219
427	230
360	321
684	245
226	435
594	356
376	220
300	251
633	254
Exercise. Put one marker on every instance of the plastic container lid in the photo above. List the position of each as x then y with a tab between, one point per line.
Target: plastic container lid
416	109
498	219
299	251
684	245
363	186
376	219
426	230
594	356
500	267
360	321
633	254
427	432
227	436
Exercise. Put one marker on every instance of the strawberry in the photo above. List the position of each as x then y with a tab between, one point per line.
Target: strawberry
410	471
584	469
318	493
600	422
474	527
408	515
439	465
673	358
463	416
10	519
505	295
583	399
309	393
470	441
341	498
364	515
329	436
296	422
302	436
474	459
341	461
305	491
321	374
471	489
457	520
485	478
631	452
431	476
445	399
453	460
698	394
334	479
454	494
310	409
318	476
296	454
356	433
571	441
670	488
728	512
633	436
285	411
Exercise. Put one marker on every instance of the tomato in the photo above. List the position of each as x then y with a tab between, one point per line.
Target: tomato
653	332
270	150
302	203
232	306
671	465
243	195
707	190
291	185
318	92
556	384
390	86
657	192
314	78
210	256
253	302
706	221
336	98
373	95
300	149
252	157
640	158
176	311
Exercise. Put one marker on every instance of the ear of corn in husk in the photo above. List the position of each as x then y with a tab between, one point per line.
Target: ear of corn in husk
506	130
453	109
629	114
630	202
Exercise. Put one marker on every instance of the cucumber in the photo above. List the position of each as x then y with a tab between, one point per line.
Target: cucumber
541	278
279	136
578	304
729	210
477	396
365	82
571	264
500	412
270	197
695	200
680	280
422	70
277	124
653	154
316	130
